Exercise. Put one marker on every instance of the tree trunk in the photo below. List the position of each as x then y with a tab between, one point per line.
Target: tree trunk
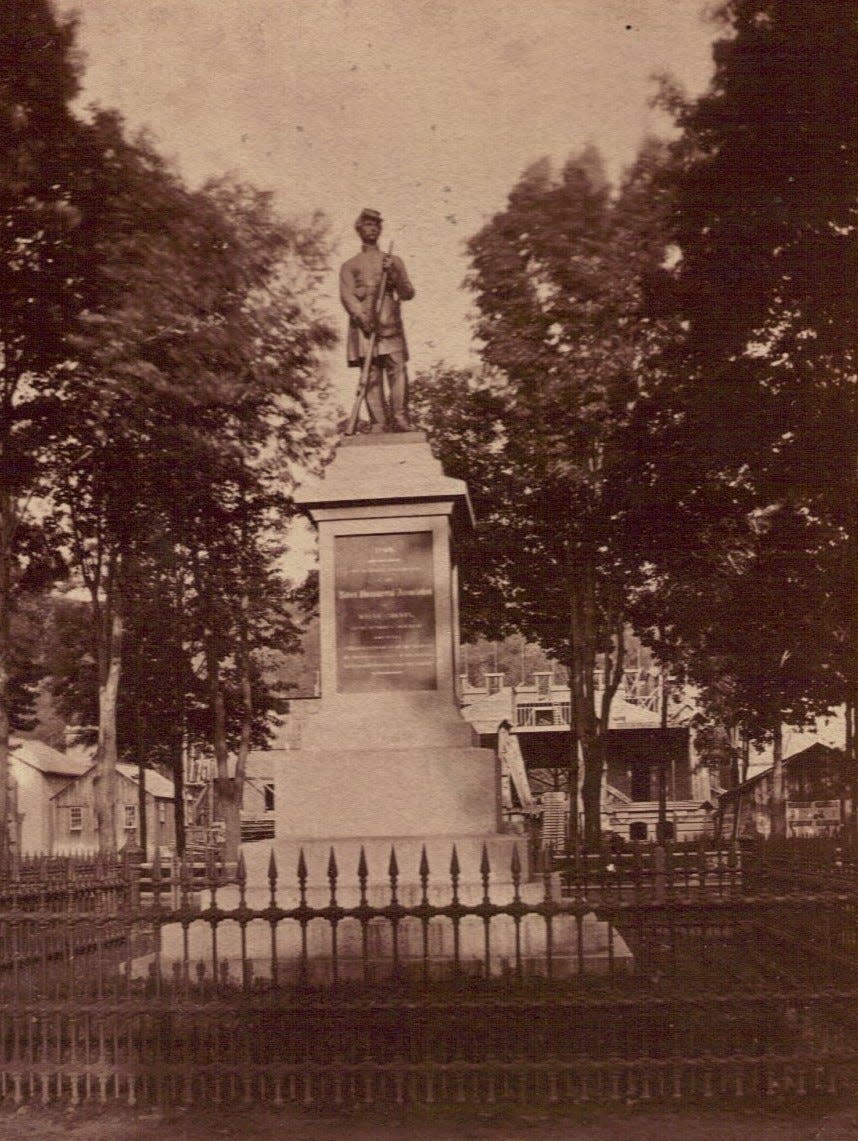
596	766
227	797
246	699
778	797
661	828
850	759
746	756
104	782
179	801
851	769
177	731
589	729
227	806
6	531
582	696
573	771
142	837
591	781
591	792
573	782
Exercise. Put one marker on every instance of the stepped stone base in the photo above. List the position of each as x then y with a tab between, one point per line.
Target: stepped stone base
577	944
384	761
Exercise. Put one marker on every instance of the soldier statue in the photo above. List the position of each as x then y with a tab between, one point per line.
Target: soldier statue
376	338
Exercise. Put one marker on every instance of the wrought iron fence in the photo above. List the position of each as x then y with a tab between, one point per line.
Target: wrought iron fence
707	868
687	974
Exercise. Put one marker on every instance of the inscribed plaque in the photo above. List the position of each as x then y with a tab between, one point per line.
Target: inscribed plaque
385	608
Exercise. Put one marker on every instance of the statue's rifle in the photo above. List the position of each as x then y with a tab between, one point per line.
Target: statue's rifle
360	396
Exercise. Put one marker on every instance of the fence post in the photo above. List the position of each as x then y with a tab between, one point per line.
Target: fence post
659	865
132	878
733	867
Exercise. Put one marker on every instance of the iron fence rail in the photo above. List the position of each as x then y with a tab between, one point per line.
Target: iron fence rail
449	1049
607	925
716	973
709	868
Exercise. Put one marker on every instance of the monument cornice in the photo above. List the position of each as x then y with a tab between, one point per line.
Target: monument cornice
382	469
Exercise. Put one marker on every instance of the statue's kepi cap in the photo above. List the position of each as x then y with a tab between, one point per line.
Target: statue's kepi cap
369	215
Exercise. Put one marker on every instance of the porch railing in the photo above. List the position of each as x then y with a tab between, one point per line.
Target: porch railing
545	714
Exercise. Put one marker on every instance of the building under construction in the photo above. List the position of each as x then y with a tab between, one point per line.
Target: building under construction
530	728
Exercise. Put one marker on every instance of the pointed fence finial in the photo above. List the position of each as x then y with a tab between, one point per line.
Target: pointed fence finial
485	873
515	872
272	879
363	875
423	872
241	872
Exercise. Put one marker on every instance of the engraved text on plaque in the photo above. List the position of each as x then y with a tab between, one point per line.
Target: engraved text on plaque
385	608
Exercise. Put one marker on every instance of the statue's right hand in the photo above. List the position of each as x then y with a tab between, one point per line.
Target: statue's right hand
367	326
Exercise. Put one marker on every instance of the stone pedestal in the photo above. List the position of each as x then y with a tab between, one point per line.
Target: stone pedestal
386	759
386	762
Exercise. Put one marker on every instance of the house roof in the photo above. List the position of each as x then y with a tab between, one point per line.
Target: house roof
486	711
627	715
155	784
814	754
49	761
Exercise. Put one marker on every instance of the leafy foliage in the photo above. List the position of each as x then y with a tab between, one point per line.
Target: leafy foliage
561	281
750	435
195	381
159	380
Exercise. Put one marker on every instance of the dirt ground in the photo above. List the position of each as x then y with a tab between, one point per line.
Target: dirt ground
260	1124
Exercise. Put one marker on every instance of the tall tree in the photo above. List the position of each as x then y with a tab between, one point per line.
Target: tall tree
204	358
759	418
559	279
239	611
51	206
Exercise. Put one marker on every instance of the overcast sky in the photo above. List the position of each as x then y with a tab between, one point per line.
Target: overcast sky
427	110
